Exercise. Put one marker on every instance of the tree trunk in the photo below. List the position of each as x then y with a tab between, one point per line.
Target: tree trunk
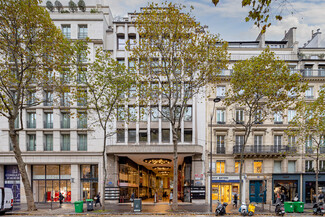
316	171
175	180
240	177
21	166
105	172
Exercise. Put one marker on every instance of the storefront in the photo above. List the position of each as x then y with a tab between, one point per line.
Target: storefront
12	180
287	184
89	181
309	186
51	180
224	188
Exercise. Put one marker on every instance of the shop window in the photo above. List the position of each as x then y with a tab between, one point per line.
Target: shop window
143	135
237	166
52	171
187	135
39	172
291	166
89	181
309	167
220	166
120	136
154	135
89	171
132	135
277	167
165	135
258	164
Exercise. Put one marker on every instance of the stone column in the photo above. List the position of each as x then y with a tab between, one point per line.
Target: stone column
75	184
2	175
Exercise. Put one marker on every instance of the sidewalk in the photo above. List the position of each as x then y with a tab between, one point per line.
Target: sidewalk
147	208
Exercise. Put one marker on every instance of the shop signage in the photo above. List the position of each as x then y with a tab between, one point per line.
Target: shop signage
226	178
12	173
198	176
198	192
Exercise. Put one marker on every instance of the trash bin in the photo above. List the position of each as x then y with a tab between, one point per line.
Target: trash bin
299	206
90	204
288	207
137	205
78	206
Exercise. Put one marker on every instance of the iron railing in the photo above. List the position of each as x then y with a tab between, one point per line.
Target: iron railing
263	149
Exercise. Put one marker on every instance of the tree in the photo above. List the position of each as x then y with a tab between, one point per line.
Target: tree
31	49
49	6
176	60
82	5
260	11
72	6
309	128
104	86
261	85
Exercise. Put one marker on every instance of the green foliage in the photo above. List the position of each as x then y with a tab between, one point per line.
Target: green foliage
93	11
58	5
49	6
82	5
72	6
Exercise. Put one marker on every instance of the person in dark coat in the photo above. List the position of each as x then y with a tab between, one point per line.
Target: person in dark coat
61	198
98	199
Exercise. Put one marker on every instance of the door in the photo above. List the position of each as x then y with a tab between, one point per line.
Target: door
256	191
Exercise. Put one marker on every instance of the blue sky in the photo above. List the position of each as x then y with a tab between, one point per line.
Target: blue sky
228	18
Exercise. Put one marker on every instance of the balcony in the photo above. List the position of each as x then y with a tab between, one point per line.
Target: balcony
263	151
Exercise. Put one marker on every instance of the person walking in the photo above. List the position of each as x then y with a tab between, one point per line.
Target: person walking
235	200
98	199
61	198
171	197
132	199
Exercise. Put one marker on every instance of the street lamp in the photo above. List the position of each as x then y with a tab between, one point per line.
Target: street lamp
215	100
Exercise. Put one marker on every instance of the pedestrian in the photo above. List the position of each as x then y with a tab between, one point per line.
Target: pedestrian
278	197
132	199
61	197
171	197
98	199
235	200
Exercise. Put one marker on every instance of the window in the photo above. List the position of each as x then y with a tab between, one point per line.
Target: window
48	123
165	113
239	116
308	71
11	145
165	135
239	143
82	98
132	113
291	141
321	70
258	164
132	135
258	142
220	144
133	91
309	166
131	65
121	113
82	142
291	166
31	142
153	135
309	145
309	92
132	41
143	135
237	166
322	166
277	167
120	43
188	113
81	79
258	117
291	115
31	98
82	120
220	166
221	116
48	98
292	93
277	143
154	113
17	122
66	31
65	76
187	135
31	120
65	142
83	32
120	137
144	112
65	120
121	61
65	99
278	117
221	91
48	143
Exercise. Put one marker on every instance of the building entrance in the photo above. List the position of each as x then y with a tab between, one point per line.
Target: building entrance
224	192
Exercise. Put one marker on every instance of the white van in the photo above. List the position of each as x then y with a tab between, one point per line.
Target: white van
6	200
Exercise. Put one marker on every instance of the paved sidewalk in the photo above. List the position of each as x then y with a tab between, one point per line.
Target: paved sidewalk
147	208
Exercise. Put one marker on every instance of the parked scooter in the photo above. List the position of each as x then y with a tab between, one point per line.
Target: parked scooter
251	209
279	209
243	209
318	209
221	208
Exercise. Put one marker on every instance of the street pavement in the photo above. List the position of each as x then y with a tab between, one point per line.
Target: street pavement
148	209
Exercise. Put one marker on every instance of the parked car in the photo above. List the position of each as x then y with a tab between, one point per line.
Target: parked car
6	200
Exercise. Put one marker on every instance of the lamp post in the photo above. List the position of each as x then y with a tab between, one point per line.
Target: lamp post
215	100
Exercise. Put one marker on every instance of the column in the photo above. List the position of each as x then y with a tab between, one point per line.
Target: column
75	183
2	175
